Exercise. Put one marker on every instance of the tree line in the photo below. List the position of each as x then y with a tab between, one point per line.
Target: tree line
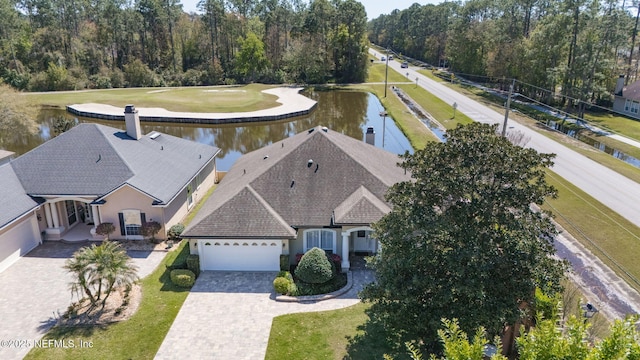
75	44
562	52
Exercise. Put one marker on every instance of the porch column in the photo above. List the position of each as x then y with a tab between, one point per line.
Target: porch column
54	214
345	251
94	215
47	214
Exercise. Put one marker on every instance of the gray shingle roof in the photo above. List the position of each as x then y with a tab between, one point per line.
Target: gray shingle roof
302	193
14	202
93	160
632	91
362	204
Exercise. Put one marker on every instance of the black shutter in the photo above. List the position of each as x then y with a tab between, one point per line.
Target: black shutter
121	217
143	218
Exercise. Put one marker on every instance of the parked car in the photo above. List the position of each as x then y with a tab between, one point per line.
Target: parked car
390	57
404	65
383	58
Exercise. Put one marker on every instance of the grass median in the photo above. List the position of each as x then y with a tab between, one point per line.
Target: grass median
615	240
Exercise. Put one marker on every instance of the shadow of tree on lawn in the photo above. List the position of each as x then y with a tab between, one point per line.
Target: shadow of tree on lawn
373	342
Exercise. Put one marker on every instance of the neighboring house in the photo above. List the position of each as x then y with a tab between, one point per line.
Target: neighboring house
93	174
315	189
627	99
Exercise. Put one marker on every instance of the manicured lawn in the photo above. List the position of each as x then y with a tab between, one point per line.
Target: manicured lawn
316	335
191	99
605	233
619	124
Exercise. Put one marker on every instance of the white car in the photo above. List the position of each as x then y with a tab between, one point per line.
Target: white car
383	58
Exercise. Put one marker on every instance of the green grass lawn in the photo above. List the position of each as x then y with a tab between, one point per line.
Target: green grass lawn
190	99
607	234
618	124
316	335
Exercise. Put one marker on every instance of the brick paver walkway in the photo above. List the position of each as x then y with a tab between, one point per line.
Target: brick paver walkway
35	291
228	315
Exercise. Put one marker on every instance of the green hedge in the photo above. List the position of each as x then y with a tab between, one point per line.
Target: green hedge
193	264
281	285
183	277
284	262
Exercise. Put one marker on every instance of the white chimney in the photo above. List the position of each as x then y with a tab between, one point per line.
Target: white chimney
370	136
132	121
619	86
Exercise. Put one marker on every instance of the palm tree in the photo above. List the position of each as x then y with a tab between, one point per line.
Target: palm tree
99	269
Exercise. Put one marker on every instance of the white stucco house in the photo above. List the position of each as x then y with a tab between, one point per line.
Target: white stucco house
93	174
316	189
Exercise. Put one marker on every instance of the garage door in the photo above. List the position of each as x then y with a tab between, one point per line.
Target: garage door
18	241
240	255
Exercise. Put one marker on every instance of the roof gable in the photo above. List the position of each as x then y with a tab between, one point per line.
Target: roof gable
359	206
247	211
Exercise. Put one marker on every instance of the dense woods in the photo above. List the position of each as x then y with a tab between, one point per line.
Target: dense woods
75	44
567	52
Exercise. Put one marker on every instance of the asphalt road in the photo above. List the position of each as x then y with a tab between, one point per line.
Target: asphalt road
617	192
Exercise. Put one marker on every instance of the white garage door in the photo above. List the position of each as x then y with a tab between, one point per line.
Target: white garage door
240	255
18	241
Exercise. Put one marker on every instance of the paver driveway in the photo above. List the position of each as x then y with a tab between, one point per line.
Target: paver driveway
35	290
228	315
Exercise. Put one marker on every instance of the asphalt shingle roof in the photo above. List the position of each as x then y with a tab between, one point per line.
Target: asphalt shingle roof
93	160
303	179
14	201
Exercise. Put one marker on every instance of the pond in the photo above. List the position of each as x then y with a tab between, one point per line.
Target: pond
348	112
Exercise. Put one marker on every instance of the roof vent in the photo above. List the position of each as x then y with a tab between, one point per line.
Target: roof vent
265	157
154	135
311	130
309	163
325	129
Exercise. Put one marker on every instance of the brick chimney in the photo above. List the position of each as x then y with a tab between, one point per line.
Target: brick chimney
132	122
619	86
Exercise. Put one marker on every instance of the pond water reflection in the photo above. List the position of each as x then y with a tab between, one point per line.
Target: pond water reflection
347	112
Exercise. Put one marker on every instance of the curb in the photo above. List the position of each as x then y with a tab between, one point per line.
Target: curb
316	298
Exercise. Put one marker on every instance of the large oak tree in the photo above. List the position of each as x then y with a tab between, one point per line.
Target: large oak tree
462	240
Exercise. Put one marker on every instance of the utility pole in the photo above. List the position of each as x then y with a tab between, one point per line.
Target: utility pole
386	72
506	111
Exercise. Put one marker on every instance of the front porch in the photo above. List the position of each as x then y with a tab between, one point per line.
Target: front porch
68	220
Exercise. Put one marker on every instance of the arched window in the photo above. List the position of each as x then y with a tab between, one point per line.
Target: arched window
324	239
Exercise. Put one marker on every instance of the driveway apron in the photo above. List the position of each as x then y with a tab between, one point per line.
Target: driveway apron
228	315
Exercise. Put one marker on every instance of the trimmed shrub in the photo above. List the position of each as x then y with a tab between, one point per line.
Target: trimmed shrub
175	231
150	229
183	277
314	267
281	285
105	229
284	262
305	289
193	264
285	274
